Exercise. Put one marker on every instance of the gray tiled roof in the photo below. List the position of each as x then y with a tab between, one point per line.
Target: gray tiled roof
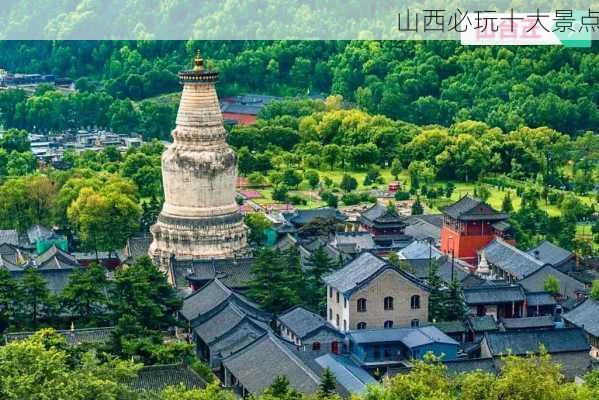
528	341
508	258
301	321
540	299
220	323
204	300
483	323
235	273
549	253
351	376
302	217
237	338
257	365
423	227
355	272
545	321
586	316
419	250
73	337
38	232
379	213
568	286
155	378
357	241
448	327
11	236
360	270
137	246
494	294
411	337
54	258
469	208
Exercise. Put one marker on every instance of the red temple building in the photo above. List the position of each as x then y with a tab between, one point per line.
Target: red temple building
468	226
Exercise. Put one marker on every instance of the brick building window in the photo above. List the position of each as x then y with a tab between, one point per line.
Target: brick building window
388	303
316	346
415	302
337	297
361	325
415	323
337	320
361	305
388	324
331	314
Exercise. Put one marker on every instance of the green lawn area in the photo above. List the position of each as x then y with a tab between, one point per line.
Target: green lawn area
461	189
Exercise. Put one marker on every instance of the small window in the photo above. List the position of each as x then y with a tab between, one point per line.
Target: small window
337	320
376	352
415	323
361	305
344	302
415	302
331	292
337	297
331	314
361	325
388	303
316	345
388	324
344	325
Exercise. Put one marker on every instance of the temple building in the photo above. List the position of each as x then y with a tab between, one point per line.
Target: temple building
200	219
469	225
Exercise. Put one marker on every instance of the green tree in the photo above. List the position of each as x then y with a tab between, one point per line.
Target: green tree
417	208
143	304
9	297
52	372
436	309
348	183
595	290
551	285
258	225
313	178
86	294
328	385
35	296
396	168
15	140
280	389
454	305
275	284
506	204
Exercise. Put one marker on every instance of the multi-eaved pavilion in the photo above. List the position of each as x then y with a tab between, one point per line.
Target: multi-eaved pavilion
469	225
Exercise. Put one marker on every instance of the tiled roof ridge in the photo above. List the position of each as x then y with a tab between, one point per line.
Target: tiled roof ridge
246	318
295	359
517	250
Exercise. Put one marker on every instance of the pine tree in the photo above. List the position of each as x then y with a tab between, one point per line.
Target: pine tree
35	295
9	295
277	278
328	385
454	308
506	205
417	208
436	304
280	389
318	265
86	293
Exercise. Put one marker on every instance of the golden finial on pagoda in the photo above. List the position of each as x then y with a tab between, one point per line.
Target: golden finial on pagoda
198	62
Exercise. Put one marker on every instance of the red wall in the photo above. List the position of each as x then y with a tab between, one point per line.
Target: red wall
243	119
464	247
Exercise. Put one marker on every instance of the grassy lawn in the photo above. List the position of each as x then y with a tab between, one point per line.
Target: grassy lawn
461	189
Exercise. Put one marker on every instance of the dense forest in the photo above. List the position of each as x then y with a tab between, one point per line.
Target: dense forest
437	82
